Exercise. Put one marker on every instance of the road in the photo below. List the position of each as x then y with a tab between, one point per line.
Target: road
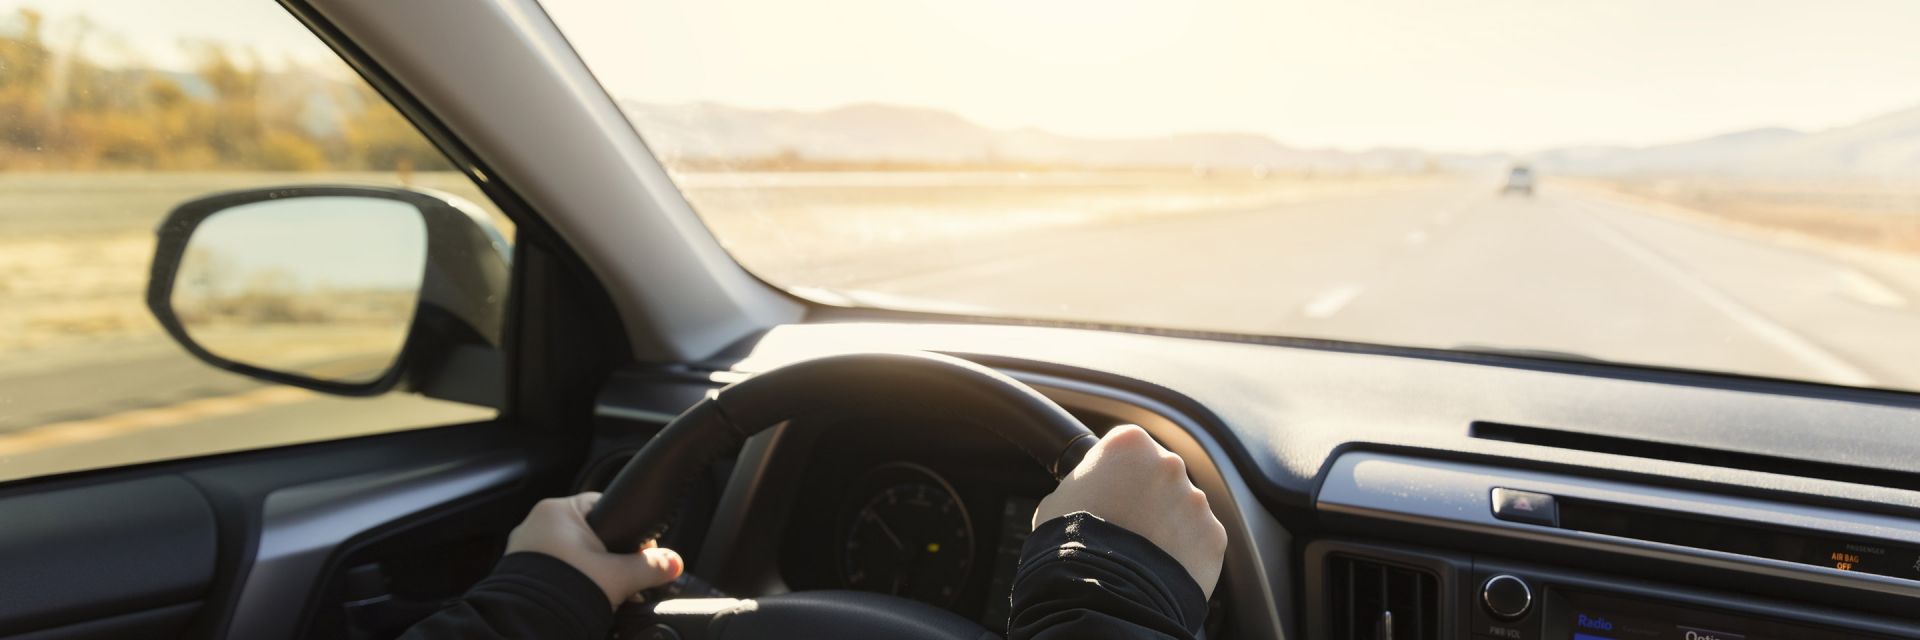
1446	265
1442	264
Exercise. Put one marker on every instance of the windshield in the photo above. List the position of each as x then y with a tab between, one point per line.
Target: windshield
1705	185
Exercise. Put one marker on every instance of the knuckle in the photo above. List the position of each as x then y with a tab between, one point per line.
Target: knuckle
1172	464
1197	497
1213	532
1128	438
1196	504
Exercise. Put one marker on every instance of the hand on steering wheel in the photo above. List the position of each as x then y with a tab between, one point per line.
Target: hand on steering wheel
1131	481
913	387
558	527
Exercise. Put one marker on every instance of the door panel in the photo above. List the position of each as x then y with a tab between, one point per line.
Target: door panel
94	552
164	622
304	527
241	546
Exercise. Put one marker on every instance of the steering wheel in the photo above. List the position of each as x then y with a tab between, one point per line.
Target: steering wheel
640	502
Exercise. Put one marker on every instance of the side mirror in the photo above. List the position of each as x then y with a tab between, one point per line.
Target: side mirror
343	289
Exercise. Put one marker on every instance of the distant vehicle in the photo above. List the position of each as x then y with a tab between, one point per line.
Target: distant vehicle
1519	180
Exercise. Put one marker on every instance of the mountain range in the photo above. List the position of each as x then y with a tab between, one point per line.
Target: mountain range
1887	145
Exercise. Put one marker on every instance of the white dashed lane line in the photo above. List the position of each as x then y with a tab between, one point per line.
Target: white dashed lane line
1830	366
1866	289
1330	302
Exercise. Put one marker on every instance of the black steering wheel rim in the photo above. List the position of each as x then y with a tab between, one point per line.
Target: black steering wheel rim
637	506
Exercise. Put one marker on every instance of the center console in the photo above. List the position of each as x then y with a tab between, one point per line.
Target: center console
1579	615
1371	591
1456	550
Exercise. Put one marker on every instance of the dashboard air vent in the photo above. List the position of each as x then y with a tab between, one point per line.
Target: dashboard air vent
1379	601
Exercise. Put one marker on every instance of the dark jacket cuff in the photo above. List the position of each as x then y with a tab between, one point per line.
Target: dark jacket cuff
554	590
1078	571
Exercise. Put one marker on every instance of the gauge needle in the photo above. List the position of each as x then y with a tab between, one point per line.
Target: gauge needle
886	530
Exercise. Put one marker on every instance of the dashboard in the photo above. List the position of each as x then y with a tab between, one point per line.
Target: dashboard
1370	496
880	507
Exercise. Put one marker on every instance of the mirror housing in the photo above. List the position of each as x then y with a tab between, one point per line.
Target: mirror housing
452	341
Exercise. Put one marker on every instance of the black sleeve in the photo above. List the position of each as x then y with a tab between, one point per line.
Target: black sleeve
529	595
1081	577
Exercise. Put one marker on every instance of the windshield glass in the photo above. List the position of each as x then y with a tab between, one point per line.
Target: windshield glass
1705	185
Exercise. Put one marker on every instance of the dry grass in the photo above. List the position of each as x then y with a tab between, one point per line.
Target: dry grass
781	224
1874	214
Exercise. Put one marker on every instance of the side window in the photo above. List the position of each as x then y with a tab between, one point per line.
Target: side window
118	119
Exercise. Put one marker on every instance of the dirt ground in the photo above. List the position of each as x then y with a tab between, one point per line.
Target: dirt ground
1864	213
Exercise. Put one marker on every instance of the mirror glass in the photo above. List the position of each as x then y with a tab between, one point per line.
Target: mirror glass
321	287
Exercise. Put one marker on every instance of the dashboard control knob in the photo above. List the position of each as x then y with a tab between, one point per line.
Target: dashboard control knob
1506	597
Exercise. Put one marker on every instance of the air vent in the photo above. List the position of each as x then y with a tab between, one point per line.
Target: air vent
1379	601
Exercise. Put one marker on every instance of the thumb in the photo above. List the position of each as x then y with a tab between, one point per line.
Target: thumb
653	567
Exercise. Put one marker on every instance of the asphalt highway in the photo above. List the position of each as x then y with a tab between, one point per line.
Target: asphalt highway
1450	265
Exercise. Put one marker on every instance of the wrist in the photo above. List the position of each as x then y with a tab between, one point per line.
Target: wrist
557	588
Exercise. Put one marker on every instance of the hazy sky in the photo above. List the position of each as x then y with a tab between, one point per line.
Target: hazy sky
1440	74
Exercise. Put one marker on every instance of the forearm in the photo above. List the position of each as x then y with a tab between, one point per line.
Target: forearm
1081	577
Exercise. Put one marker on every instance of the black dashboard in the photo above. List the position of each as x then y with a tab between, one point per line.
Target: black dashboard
881	507
1374	495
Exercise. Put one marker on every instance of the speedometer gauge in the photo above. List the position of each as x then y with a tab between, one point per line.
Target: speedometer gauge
908	535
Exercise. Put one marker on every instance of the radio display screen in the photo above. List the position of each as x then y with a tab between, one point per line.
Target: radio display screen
1592	616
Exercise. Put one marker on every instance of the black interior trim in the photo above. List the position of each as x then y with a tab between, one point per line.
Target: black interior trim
100	550
161	622
1695	455
1462	573
1367	494
1760	540
304	526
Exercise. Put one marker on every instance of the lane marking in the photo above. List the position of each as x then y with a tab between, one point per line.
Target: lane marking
1830	366
1865	288
1330	302
58	434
